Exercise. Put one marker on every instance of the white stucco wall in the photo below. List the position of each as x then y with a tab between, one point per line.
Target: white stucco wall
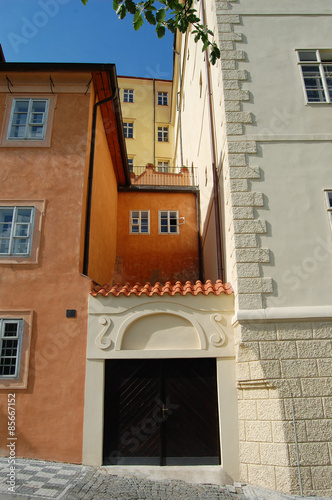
293	148
258	101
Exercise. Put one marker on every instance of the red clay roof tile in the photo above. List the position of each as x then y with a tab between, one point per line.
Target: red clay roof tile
167	289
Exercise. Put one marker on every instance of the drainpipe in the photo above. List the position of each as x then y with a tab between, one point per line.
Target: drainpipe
90	179
214	164
154	122
199	241
178	106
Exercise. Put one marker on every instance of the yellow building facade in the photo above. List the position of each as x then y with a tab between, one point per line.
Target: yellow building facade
146	112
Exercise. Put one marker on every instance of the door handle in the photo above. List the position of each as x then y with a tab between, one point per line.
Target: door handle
164	409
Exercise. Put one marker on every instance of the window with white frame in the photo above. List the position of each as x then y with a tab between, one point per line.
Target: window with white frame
169	221
163	98
163	166
131	164
139	221
16	230
162	134
28	119
128	95
316	67
128	130
329	203
11	331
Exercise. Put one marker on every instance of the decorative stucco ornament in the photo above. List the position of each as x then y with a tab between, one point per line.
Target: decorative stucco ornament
217	339
101	341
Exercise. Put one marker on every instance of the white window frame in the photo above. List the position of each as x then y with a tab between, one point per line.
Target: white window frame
29	122
130	164
128	95
162	99
7	142
12	236
325	90
328	198
136	221
17	356
127	127
169	224
36	229
163	134
163	166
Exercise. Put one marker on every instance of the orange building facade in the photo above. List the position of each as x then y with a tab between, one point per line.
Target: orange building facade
45	163
160	252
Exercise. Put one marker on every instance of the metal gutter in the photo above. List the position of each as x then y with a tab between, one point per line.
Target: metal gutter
25	67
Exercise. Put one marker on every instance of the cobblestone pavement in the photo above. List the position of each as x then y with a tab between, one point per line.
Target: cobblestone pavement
35	479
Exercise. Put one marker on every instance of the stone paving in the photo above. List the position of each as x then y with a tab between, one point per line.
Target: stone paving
36	479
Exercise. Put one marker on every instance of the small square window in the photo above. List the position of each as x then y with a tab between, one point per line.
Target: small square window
128	95
168	222
139	222
329	203
163	98
163	166
128	130
20	231
28	120
162	134
10	347
16	230
131	164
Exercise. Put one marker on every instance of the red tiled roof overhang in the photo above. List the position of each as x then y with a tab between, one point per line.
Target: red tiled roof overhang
166	289
105	83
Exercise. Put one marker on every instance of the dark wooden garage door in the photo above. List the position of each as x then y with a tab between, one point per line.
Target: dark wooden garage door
161	412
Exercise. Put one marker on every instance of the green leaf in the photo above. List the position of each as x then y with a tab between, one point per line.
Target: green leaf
172	4
205	45
150	17
148	5
171	25
161	30
116	4
122	11
179	8
138	20
215	53
160	15
130	6
84	2
183	25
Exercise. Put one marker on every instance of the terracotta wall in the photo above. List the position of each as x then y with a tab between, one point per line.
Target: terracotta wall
153	257
49	413
102	251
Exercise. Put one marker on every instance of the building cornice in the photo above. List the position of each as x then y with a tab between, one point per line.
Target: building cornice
271	314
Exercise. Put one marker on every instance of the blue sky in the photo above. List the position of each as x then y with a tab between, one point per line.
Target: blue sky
66	31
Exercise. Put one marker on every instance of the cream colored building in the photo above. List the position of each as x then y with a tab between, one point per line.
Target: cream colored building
146	105
258	127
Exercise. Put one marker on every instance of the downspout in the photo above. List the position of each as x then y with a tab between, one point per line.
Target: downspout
214	165
178	106
199	241
154	122
90	179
